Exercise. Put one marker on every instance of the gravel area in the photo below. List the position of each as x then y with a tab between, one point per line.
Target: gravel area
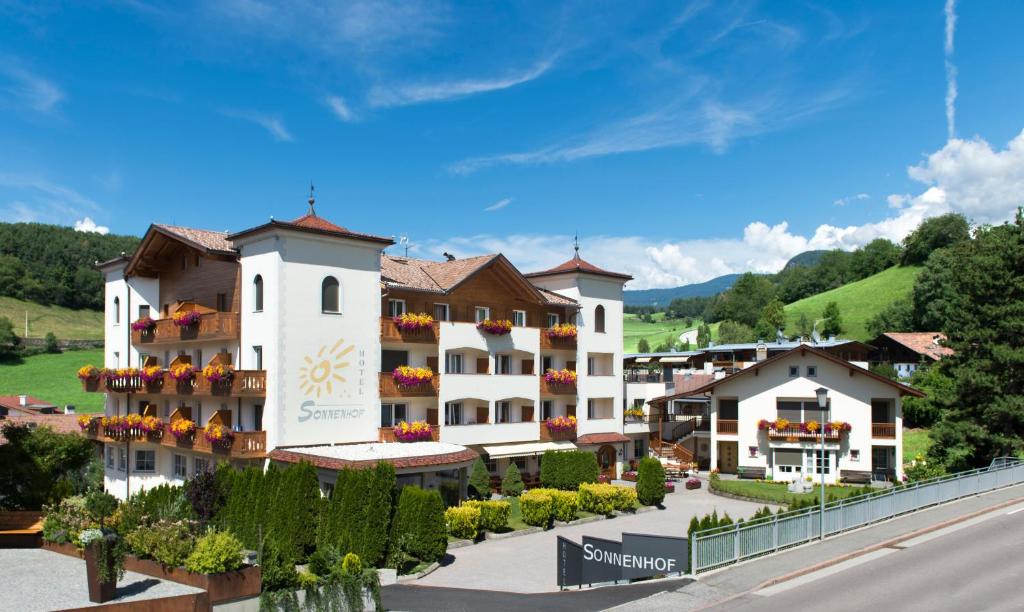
38	579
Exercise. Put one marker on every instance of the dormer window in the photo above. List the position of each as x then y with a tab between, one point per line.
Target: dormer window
330	296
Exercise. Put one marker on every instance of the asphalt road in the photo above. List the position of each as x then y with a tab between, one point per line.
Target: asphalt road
977	567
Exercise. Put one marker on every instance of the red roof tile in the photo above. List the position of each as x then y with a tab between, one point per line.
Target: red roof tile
922	343
14	401
601	438
310	222
60	423
578	264
332	463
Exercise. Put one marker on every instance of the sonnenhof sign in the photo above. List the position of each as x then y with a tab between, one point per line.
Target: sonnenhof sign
597	560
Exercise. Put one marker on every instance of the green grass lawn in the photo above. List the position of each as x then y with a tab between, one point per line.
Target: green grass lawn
53	378
915	442
67	324
661	330
778	493
858	301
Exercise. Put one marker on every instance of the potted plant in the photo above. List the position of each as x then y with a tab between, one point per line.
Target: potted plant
88	423
104	551
633	414
417	431
183	429
218	435
151	376
692	483
496	327
145	325
408	376
561	377
562	331
561	423
90	377
412	322
186	318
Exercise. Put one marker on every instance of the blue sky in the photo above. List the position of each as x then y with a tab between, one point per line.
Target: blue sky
680	140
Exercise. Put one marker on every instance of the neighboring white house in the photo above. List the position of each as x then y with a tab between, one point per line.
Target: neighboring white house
748	411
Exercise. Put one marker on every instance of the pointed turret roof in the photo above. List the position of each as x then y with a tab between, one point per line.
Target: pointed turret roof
579	265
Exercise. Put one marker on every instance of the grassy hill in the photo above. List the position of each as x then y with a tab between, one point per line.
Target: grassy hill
53	378
661	330
858	301
66	323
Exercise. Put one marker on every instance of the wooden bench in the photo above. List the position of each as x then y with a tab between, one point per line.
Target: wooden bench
21	529
753	473
855	476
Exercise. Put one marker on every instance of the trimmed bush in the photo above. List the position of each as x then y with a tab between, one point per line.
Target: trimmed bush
352	565
494	515
650	482
567	470
216	552
462	522
418	531
168	543
606	498
564	504
512	485
479	481
536	506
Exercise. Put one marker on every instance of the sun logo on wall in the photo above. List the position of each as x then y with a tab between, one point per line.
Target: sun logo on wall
323	370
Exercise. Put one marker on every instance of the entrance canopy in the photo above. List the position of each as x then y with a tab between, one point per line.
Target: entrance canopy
527	449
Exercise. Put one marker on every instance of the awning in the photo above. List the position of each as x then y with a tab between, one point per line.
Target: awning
642	359
526	449
674	359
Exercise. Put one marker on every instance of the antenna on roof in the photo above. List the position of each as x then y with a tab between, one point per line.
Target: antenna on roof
576	243
312	200
404	242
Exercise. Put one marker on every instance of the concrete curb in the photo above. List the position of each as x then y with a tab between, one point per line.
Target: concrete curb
414	577
460	544
510	534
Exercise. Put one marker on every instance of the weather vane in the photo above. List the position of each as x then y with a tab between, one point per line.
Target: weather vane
312	200
576	243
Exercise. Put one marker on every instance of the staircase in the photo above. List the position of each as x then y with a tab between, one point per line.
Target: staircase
674	456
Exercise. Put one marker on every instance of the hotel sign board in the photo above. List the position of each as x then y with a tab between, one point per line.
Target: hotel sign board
597	560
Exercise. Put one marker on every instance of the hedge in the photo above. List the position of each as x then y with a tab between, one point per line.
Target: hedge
358	515
564	504
650	482
418	531
606	498
494	515
536	507
462	522
567	470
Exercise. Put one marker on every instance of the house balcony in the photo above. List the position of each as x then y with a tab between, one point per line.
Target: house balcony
547	343
728	427
389	332
243	445
387	434
883	430
244	383
796	434
555	435
212	326
549	388
389	388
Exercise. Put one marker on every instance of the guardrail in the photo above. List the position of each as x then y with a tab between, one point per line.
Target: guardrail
714	548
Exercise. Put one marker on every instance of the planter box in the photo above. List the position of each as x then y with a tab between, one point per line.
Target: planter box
228	586
63	549
99	592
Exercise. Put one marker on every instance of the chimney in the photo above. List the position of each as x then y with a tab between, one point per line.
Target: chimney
69	409
762	352
23	400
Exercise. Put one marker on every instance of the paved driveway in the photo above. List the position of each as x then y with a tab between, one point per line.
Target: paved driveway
526	564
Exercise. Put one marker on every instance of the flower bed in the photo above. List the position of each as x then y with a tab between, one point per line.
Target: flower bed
408	376
692	483
217	373
561	423
563	331
183	372
218	434
670	487
410	322
186	318
496	327
144	324
183	429
561	377
417	431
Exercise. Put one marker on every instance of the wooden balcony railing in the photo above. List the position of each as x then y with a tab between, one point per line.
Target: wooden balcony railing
547	388
389	332
389	388
548	435
387	434
211	326
793	434
556	344
726	426
883	430
245	383
244	444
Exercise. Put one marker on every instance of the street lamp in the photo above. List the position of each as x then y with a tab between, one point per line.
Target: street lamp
822	394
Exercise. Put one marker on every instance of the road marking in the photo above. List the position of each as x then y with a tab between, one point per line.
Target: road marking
951	529
1015	511
822	573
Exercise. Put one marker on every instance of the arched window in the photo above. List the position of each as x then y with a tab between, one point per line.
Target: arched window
117	311
257	293
599	319
330	295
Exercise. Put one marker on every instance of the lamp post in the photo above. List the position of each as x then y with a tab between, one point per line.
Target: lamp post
822	394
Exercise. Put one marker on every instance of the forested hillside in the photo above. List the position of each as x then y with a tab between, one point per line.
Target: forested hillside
54	265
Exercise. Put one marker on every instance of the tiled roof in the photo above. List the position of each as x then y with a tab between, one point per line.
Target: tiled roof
60	423
309	454
685	384
922	343
601	438
14	401
557	298
206	239
578	264
310	222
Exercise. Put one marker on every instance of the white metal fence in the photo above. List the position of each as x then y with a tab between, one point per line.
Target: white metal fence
714	548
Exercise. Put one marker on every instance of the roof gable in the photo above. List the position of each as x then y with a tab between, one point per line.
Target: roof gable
160	240
579	265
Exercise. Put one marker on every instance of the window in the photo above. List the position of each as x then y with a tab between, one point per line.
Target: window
257	417
816	461
327	489
453	413
794	371
638	403
504	364
519	318
143	311
180	466
145	461
453	363
492	465
599	319
257	293
796	411
591	366
199	358
520	462
854	454
330	295
591	408
391	414
547	409
110	457
257	356
200	465
117	359
552	319
222	302
117	311
122	459
441	312
391	359
788	461
504	412
396	308
482	313
812	371
638	448
546	363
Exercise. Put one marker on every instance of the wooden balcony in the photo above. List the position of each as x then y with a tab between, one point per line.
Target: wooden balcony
547	388
728	427
388	387
883	430
794	434
245	445
211	327
556	344
387	434
389	332
245	383
547	435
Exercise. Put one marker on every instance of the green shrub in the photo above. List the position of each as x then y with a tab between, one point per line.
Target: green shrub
168	542
352	565
216	552
564	504
277	571
479	481
606	498
66	520
512	484
358	515
650	482
418	530
162	503
567	470
494	515
462	522
536	507
307	580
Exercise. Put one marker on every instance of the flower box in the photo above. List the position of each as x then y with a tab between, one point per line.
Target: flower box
407	376
670	487
152	427
495	328
563	331
410	322
218	435
183	372
218	374
417	431
88	423
560	377
186	318
561	423
144	325
151	376
183	429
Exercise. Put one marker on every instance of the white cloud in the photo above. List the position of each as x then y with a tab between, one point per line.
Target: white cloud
951	90
89	226
273	125
340	108
848	199
22	88
502	203
384	96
